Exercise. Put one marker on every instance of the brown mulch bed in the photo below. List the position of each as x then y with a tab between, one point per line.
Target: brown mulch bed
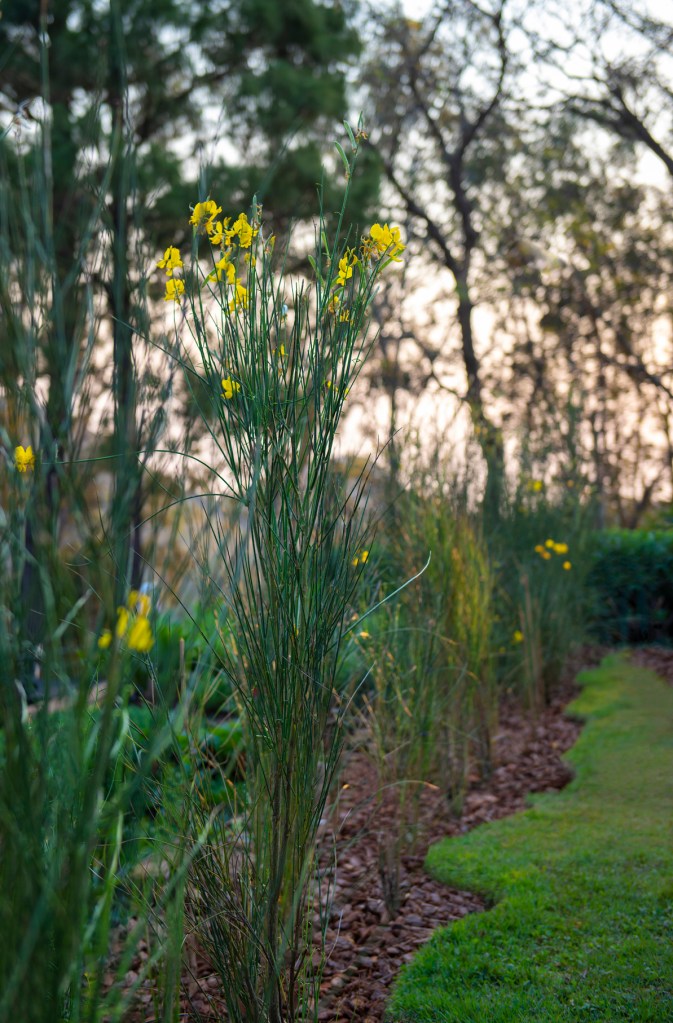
366	945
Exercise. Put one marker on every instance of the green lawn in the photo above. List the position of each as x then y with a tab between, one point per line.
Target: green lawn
581	884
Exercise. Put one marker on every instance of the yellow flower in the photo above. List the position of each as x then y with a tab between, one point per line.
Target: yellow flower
561	548
363	634
224	268
517	636
230	388
122	622
535	486
139	603
280	351
140	637
132	624
567	565
104	639
240	297
387	240
244	230
171	261
24	459
346	265
175	288
333	303
546	555
215	230
360	559
204	214
344	315
539	549
549	543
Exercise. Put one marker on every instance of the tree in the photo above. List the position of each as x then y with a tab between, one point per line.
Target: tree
521	178
624	81
104	93
584	326
437	92
282	69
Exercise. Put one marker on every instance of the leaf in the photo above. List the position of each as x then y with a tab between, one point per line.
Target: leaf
340	151
351	136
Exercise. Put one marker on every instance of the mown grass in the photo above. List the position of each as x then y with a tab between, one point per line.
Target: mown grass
581	927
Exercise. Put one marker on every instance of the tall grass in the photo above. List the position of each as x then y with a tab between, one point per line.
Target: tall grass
430	702
71	768
498	607
542	551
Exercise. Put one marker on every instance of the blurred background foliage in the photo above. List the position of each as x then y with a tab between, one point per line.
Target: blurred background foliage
537	207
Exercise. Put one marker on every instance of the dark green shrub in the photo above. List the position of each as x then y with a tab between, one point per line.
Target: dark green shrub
631	582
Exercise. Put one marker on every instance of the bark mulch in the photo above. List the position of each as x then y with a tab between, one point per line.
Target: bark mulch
366	944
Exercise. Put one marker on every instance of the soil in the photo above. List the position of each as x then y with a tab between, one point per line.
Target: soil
366	944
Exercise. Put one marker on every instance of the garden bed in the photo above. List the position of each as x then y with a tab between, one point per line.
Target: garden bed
365	945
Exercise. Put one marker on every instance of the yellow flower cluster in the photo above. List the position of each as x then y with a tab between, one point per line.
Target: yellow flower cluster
346	264
230	388
24	459
172	261
175	289
360	559
224	271
220	234
382	240
218	231
545	551
203	217
133	625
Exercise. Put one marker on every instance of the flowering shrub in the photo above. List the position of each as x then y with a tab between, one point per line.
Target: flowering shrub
275	359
